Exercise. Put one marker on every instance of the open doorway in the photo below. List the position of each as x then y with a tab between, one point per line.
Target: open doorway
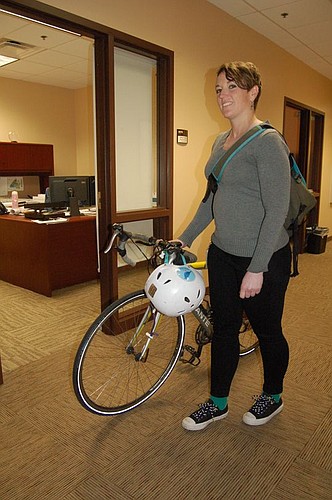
304	132
106	42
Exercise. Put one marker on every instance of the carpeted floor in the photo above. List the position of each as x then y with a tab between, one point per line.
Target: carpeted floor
51	448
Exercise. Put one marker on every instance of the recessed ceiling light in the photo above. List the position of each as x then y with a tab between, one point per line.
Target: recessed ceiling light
4	60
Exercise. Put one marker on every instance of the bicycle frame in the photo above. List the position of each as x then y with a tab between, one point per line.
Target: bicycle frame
203	320
204	331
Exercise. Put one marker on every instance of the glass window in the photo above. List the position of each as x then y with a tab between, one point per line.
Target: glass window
135	130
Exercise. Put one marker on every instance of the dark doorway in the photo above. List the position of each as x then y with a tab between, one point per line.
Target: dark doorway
304	131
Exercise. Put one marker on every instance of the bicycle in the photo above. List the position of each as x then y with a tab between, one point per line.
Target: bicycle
131	349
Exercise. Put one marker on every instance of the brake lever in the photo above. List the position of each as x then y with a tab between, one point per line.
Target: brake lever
110	244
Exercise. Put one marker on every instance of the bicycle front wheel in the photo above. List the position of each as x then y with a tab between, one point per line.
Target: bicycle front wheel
124	357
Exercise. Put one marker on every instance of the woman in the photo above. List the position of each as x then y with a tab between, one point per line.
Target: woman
249	257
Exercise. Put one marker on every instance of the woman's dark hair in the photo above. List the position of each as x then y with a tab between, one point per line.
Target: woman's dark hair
244	74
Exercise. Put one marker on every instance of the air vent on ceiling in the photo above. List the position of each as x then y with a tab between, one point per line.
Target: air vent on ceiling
13	48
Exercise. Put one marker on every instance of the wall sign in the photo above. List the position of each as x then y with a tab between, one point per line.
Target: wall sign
182	136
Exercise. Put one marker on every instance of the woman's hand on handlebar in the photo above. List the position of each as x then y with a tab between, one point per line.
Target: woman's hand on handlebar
181	243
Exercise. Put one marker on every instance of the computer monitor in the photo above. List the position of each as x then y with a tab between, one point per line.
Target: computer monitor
64	187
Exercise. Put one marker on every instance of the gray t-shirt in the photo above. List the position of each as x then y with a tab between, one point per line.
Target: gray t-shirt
251	203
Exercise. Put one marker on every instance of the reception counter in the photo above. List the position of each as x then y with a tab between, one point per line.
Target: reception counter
46	257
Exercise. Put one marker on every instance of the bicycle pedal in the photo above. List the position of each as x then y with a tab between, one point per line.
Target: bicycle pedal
194	360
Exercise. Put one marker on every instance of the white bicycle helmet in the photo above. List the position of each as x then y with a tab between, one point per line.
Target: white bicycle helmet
175	290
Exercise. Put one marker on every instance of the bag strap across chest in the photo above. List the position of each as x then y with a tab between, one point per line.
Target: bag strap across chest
220	166
217	171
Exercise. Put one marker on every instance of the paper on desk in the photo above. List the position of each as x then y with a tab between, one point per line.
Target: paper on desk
88	211
50	221
40	198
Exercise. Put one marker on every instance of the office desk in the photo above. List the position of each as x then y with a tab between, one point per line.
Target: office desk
46	257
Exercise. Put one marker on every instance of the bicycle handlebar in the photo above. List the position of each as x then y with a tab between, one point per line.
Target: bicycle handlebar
123	236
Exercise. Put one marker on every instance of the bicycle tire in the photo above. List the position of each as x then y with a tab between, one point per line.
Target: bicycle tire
106	377
247	338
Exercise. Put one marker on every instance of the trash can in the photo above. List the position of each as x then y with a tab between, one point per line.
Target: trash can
317	237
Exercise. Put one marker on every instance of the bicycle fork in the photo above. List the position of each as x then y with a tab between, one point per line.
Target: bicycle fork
138	336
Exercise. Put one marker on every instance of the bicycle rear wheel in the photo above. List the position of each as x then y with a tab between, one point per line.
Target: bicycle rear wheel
108	376
248	340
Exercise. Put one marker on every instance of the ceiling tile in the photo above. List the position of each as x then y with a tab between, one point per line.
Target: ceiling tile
300	13
314	37
263	4
10	23
323	68
234	7
270	30
81	67
9	72
305	54
25	66
81	47
54	58
63	74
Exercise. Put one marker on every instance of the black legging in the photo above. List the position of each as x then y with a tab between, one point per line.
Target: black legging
264	312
